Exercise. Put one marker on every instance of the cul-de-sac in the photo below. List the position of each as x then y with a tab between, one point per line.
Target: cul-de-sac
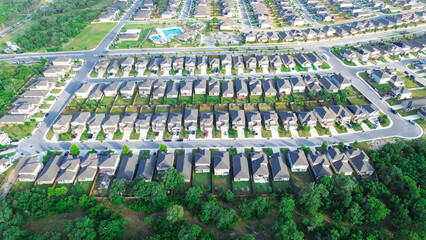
212	119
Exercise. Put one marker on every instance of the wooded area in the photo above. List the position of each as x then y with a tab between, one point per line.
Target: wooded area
13	77
12	11
59	22
339	207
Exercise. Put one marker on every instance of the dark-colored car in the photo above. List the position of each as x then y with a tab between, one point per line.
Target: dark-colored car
393	111
180	140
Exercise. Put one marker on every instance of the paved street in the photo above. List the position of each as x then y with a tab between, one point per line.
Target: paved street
399	126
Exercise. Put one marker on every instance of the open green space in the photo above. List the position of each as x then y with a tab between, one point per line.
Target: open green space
203	180
19	131
243	187
220	183
89	37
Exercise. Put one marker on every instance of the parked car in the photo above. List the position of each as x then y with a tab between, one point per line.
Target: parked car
393	111
411	122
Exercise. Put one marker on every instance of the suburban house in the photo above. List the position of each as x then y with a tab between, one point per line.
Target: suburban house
214	87
372	112
401	93
413	104
288	119
84	90
238	63
324	116
320	164
89	167
340	81
259	165
288	61
62	124
206	121
30	169
227	89
328	85
238	119
221	163
172	90
358	114
127	89
269	88
241	89
50	171
339	161
270	119
146	167
279	168
184	166
108	164
302	60
255	86
69	170
254	121
200	86
128	167
158	89
297	84
222	121
145	88
97	93
159	122
143	122
165	161
276	62
202	161
284	87
110	124
380	76
112	89
341	114
95	122
127	122
78	124
359	161
298	161
307	118
174	123
240	168
191	119
186	88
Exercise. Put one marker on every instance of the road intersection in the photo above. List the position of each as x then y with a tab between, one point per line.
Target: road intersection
399	127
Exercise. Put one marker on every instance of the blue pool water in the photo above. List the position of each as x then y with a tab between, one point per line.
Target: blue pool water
172	31
155	37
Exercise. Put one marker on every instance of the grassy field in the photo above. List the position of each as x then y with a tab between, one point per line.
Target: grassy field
241	187
419	93
90	37
19	131
358	101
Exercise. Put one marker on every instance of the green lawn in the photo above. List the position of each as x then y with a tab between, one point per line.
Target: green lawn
134	135
358	101
171	101
404	113
299	68
202	179
117	111
19	131
422	123
141	100
410	83
221	183
300	178
89	37
256	99
106	101
122	101
241	187
282	187
103	109
340	128
50	134
386	87
232	133
419	93
213	99
185	99
228	100
266	133
22	186
322	131
356	126
199	98
262	188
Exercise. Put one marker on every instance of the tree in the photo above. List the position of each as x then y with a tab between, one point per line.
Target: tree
126	150
227	196
254	208
163	148
355	214
313	222
310	196
341	145
74	150
81	228
324	146
285	229
112	229
226	219
286	205
172	179
375	210
189	232
208	211
118	187
191	198
174	214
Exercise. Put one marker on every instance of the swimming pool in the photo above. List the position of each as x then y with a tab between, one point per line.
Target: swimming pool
155	37
171	31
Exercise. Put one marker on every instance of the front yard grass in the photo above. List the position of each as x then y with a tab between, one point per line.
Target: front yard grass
418	93
134	135
340	128
283	132
404	113
322	131
118	135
